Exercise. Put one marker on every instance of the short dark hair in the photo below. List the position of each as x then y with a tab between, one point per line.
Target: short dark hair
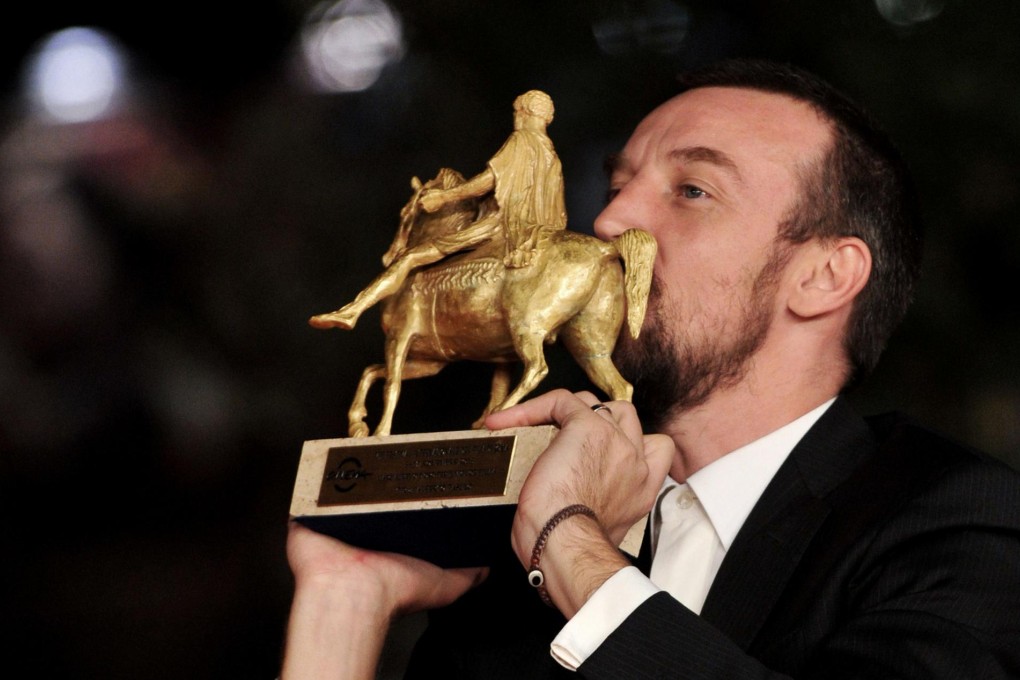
861	188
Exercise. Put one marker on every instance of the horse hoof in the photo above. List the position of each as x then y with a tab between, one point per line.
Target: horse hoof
358	430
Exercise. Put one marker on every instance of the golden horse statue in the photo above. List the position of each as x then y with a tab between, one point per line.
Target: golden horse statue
472	307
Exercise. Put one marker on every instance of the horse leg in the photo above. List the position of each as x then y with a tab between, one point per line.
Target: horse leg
530	348
412	369
356	426
500	386
397	345
591	336
601	370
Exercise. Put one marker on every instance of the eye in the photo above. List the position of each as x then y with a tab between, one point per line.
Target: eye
692	192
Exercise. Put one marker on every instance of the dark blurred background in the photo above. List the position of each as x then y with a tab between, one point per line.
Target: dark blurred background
183	185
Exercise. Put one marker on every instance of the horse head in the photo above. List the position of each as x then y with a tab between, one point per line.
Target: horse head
417	225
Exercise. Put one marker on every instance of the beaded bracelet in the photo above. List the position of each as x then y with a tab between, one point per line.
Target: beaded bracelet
535	577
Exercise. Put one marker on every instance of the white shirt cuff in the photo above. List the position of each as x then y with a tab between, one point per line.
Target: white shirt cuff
605	610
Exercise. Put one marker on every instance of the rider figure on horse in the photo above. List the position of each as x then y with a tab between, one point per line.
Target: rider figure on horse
524	179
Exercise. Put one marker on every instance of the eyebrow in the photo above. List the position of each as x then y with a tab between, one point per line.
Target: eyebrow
610	165
688	154
704	154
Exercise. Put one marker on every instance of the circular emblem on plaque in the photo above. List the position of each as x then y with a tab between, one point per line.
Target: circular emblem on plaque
346	474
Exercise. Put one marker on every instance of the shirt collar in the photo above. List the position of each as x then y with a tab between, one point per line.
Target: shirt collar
729	487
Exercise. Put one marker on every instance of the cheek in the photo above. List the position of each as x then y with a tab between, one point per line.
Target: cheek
701	298
692	270
683	246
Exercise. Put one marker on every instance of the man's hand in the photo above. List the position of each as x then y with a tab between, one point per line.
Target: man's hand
345	599
599	459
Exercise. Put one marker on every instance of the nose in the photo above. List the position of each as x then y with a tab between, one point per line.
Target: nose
625	211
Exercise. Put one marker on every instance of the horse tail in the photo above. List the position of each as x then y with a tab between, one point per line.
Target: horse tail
637	250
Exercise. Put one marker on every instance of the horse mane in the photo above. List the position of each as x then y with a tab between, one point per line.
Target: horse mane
446	178
448	219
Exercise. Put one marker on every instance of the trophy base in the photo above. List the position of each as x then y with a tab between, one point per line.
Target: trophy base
445	497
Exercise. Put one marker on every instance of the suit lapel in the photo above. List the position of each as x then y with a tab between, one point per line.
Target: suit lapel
779	529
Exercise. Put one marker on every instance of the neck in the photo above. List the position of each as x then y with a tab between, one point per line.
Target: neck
762	402
533	124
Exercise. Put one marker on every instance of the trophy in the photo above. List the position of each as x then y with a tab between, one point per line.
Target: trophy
481	269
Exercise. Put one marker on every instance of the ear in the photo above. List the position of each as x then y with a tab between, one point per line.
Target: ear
829	275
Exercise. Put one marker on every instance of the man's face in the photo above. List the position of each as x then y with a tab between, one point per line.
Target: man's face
711	174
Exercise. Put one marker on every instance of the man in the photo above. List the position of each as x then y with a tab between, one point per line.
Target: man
836	547
525	181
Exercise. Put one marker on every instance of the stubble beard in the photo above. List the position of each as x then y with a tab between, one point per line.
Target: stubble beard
673	372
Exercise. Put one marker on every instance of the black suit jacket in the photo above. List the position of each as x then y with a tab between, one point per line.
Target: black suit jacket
878	550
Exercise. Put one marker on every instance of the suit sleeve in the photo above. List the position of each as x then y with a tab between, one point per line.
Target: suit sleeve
932	592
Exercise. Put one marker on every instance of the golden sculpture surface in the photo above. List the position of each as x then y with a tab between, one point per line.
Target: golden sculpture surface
484	269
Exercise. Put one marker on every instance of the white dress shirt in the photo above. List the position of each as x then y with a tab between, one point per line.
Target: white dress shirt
728	489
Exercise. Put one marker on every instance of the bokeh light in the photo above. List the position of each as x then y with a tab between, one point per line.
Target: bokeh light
659	26
345	45
909	12
75	75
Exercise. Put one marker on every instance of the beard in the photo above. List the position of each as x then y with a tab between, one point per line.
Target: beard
674	372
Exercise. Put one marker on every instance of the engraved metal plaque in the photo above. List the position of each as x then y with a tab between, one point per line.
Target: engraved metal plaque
445	497
416	470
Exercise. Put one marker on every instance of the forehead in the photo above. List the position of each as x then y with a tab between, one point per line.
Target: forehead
748	126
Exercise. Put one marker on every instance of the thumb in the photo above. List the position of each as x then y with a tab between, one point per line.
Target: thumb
451	584
659	454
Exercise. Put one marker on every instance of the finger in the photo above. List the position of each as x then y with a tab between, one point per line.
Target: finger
556	407
594	404
449	585
660	451
626	416
476	575
616	407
